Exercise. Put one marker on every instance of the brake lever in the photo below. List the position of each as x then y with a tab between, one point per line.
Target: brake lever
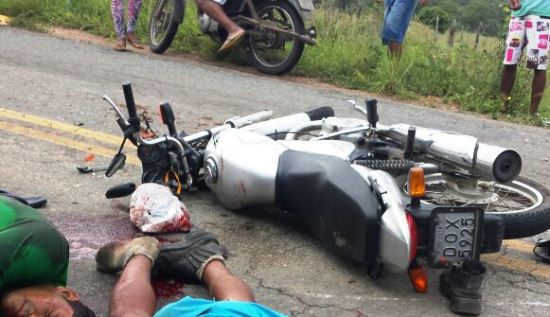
116	109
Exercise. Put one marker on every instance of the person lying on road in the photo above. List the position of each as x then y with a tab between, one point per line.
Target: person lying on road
34	258
197	257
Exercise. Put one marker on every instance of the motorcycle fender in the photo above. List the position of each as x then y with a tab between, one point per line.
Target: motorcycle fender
333	200
179	11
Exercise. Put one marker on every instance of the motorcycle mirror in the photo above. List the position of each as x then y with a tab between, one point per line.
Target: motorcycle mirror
116	163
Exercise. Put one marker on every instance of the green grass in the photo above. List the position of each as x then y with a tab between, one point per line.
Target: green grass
349	53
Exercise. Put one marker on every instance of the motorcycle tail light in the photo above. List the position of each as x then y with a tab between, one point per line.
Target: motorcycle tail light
414	236
417	185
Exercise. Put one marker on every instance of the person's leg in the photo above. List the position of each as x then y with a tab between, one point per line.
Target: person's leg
225	286
133	294
506	84
117	10
515	42
397	17
539	83
216	12
538	57
234	32
134	9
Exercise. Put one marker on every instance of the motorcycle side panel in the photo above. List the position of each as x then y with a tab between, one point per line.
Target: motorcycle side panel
333	200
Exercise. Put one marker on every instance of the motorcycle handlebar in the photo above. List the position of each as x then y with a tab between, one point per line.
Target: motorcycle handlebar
133	118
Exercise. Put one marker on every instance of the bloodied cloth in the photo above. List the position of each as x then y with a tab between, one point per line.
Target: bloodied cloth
32	251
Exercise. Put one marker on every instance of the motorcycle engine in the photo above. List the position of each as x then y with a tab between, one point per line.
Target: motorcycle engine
208	26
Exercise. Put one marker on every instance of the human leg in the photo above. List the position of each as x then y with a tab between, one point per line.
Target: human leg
537	57
515	42
225	286
134	9
506	84
117	11
397	16
539	83
215	10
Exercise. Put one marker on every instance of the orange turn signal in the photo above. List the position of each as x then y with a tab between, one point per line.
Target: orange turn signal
417	185
418	277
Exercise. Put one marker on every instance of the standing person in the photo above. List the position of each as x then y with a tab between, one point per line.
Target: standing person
34	258
197	257
214	9
127	33
528	28
397	16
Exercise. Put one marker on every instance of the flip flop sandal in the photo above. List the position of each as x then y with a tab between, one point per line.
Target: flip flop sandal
542	251
35	201
231	42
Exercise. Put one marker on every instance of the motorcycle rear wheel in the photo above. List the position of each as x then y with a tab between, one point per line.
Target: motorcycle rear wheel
524	205
271	52
162	29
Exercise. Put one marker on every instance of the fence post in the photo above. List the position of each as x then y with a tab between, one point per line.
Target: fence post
476	43
452	31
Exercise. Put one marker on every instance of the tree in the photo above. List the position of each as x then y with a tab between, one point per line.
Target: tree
434	15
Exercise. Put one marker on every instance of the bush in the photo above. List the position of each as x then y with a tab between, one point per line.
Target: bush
429	16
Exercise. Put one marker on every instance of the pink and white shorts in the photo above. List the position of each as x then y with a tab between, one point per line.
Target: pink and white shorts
532	33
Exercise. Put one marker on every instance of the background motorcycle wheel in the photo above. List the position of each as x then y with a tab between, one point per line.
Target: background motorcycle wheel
524	205
162	29
270	52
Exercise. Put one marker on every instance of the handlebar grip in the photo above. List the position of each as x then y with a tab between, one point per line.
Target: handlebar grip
120	190
372	112
320	113
167	116
133	118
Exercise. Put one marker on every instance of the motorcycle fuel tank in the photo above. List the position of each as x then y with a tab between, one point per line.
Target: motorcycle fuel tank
241	166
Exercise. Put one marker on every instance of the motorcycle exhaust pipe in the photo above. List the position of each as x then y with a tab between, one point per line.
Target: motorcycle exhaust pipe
500	164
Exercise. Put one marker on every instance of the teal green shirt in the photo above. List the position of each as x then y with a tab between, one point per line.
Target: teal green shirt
32	251
533	7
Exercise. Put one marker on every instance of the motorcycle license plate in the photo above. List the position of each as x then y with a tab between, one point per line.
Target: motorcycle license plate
455	235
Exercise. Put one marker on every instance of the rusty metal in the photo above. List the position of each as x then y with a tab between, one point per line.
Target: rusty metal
263	26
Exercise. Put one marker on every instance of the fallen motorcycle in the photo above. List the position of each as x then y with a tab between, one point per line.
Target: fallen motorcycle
379	195
275	29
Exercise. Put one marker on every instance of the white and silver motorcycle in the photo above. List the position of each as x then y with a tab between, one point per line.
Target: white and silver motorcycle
379	195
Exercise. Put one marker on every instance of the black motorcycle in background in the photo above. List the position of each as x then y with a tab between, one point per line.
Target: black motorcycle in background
275	29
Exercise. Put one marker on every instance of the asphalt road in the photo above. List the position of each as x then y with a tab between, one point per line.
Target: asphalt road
51	79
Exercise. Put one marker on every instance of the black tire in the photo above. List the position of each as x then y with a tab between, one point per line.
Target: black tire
532	219
161	21
297	25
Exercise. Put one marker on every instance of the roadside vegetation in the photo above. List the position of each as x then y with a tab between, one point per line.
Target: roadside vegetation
349	53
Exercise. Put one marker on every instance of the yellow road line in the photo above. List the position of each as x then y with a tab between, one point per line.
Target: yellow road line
56	125
81	146
518	245
498	260
531	267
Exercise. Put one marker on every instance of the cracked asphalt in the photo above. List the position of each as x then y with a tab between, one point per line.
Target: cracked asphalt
63	80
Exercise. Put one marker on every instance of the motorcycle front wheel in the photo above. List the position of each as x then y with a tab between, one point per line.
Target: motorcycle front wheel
273	52
523	204
162	29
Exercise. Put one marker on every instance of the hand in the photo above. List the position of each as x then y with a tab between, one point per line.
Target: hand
515	4
426	2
